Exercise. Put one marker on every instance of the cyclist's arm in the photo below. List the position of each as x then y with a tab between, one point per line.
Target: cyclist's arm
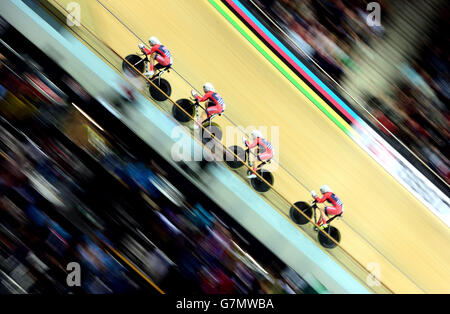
147	51
251	145
204	98
323	199
150	52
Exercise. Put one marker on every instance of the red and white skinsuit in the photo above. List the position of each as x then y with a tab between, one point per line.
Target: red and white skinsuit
163	55
217	104
338	206
264	145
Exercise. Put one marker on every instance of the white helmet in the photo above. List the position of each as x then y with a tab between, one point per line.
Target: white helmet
141	46
208	87
154	41
256	134
325	188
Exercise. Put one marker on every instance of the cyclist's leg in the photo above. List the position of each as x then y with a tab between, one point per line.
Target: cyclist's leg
253	161
151	64
323	218
160	62
211	109
263	158
159	66
149	68
330	210
204	114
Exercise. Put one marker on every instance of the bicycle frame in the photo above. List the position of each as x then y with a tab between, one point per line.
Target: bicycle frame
147	61
315	207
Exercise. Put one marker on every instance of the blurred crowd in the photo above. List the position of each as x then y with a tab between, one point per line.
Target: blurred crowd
42	184
329	30
64	199
195	240
417	111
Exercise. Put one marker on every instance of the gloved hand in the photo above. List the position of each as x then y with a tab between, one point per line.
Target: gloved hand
244	140
141	46
313	194
193	93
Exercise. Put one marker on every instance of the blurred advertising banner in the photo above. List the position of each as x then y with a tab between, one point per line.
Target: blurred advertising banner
414	181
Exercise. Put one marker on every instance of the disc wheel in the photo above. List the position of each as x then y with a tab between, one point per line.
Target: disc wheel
231	160
181	115
261	186
214	129
163	85
134	60
297	217
326	241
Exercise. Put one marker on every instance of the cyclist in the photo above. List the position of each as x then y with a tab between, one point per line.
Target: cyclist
328	196
264	151
215	104
163	58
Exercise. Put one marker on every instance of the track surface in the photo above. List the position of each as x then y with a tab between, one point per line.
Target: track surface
383	222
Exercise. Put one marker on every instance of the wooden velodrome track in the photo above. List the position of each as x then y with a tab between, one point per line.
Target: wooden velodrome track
383	222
